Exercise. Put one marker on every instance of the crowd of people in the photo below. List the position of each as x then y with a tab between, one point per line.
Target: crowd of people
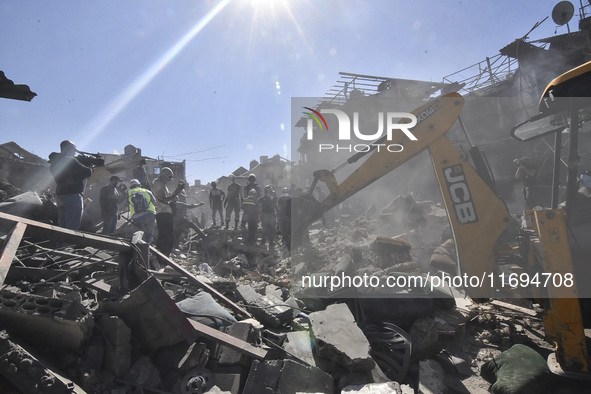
156	209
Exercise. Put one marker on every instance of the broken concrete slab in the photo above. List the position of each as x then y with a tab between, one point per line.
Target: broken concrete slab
153	317
337	337
431	378
286	377
228	356
299	344
118	346
46	320
373	388
144	373
269	310
226	383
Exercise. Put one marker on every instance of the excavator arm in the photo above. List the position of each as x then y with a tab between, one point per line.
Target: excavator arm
477	216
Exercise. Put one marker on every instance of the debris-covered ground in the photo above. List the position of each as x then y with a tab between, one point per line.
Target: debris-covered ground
81	312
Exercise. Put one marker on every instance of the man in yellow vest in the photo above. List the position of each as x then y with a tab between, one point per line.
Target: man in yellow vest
142	209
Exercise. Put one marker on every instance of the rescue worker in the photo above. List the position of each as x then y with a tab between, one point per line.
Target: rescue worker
232	202
216	198
164	217
268	205
251	185
284	217
250	214
142	209
139	173
109	202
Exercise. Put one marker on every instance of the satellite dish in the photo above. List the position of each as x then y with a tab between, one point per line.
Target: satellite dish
563	12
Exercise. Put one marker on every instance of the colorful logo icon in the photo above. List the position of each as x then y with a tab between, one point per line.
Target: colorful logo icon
315	115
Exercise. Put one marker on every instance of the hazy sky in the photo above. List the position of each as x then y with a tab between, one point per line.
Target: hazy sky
211	81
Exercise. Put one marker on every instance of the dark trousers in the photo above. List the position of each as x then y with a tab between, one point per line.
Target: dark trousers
165	224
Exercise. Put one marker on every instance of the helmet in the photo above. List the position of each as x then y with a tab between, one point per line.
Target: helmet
167	172
252	177
268	187
232	177
285	190
67	146
134	183
252	192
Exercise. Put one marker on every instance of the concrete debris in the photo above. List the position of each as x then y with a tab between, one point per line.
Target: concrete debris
268	309
374	388
338	338
115	315
431	378
283	377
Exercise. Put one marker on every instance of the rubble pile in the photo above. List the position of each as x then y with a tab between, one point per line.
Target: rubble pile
81	312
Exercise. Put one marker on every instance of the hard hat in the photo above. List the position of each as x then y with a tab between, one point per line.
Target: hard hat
134	182
252	176
67	146
165	171
232	176
285	190
268	187
252	192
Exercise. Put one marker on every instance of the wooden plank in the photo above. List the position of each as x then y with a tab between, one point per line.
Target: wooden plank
515	308
11	245
55	233
216	294
229	341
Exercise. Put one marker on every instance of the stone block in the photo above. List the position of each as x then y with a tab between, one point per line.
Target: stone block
45	320
431	378
373	388
299	344
243	331
338	338
268	309
286	377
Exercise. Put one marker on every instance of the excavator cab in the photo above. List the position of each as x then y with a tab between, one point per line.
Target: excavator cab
564	231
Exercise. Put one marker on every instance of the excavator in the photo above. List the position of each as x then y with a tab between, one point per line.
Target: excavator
484	231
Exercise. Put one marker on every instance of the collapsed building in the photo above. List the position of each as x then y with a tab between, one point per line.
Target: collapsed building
86	313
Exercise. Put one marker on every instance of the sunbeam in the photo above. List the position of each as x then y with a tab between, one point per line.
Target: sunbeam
102	120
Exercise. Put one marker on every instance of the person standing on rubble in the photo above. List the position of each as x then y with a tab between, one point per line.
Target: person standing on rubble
140	174
142	209
233	201
268	216
216	198
164	217
284	217
250	214
109	202
251	185
70	176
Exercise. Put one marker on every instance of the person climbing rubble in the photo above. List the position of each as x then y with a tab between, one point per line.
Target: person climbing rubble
142	209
